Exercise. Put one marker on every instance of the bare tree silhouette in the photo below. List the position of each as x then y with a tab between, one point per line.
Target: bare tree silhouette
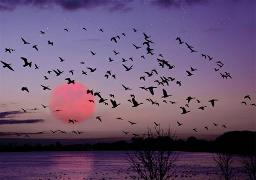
155	160
250	166
224	161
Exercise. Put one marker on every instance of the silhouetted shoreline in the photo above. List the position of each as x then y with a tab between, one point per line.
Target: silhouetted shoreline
237	142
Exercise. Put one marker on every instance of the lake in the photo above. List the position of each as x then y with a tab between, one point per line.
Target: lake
99	165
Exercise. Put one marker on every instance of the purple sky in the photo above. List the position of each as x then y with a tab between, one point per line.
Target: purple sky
224	30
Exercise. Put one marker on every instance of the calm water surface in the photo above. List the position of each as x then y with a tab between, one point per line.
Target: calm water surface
99	165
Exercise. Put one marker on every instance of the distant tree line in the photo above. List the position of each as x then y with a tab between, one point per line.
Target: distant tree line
235	142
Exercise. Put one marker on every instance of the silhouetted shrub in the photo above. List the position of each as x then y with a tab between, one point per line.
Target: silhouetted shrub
224	164
154	161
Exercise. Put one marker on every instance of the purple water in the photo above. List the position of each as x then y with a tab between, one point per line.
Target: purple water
99	165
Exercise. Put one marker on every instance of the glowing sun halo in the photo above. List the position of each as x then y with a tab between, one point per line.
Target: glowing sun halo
71	101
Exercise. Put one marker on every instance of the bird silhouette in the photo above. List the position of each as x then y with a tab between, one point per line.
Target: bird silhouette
184	111
178	82
165	95
159	82
102	100
115	52
35	47
136	47
73	121
110	59
224	76
6	65
44	106
24	41
91	101
190	48
150	51
106	76
36	66
216	69
119	118
50	43
126	88
61	59
204	56
202	107
127	68
101	30
243	102
154	71
91	69
209	57
195	130
45	87
189	98
113	39
212	101
93	53
149	74
179	124
9	50
125	132
114	103
179	40
228	75
69	81
142	78
146	36
124	60
65	29
57	72
99	118
247	97
151	89
25	89
215	124
132	123
156	124
130	58
189	73
84	73
89	91
206	128
42	32
72	72
134	102
193	69
26	63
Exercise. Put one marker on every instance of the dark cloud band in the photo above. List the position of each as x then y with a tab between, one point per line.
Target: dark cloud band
176	3
70	5
9	114
26	121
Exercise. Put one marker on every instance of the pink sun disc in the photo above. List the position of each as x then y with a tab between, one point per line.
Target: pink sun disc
71	101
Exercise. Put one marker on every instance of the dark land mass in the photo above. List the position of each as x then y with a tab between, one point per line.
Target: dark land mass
237	142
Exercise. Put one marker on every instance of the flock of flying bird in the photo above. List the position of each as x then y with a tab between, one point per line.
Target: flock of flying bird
161	81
